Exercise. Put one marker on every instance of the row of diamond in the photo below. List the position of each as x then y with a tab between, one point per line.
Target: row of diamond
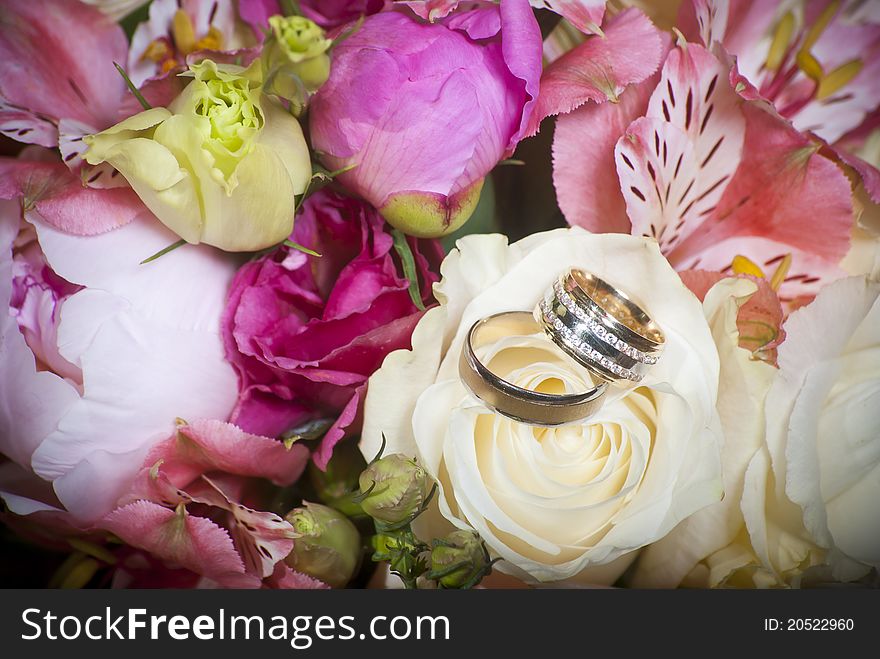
599	330
584	348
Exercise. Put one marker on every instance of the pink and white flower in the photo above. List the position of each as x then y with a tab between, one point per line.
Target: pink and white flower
708	174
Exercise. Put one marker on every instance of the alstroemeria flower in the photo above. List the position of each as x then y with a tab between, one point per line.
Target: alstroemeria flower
212	466
135	347
817	61
176	29
116	9
684	159
221	165
422	112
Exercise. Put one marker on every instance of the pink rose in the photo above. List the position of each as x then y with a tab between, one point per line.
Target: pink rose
421	112
305	333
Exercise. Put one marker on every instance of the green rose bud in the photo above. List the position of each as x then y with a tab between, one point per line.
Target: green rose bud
295	54
394	489
327	545
460	560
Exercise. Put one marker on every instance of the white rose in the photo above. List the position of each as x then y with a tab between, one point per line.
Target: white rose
801	458
823	424
576	501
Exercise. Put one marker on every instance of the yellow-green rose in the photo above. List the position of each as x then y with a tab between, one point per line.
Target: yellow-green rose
220	165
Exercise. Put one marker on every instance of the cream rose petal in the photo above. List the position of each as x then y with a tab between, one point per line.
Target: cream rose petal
743	385
843	322
585	496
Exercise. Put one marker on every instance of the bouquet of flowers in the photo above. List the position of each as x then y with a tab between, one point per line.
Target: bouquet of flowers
292	304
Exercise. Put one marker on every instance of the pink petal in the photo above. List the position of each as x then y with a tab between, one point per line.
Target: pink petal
207	445
288	579
522	48
759	320
195	543
870	174
261	538
584	173
338	429
158	92
430	10
783	191
601	67
72	147
807	274
675	162
832	117
21	125
46	70
256	14
52	193
585	15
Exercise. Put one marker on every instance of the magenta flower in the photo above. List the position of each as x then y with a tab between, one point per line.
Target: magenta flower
305	333
422	112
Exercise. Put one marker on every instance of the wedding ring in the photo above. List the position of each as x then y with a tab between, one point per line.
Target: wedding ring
517	403
600	327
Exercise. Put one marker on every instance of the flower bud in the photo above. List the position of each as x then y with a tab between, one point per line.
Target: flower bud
459	560
297	46
394	489
327	544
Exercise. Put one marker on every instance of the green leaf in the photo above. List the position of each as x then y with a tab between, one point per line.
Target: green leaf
290	8
132	88
297	246
401	245
311	429
164	251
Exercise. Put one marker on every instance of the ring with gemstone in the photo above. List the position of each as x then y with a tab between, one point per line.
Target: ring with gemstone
524	405
600	327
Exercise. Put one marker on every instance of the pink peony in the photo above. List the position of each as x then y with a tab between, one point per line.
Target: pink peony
422	112
99	355
305	333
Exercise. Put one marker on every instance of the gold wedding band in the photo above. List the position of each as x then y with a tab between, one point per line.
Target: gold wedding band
517	403
600	327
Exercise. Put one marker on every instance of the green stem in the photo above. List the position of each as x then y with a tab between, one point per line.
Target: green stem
164	251
134	90
401	245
